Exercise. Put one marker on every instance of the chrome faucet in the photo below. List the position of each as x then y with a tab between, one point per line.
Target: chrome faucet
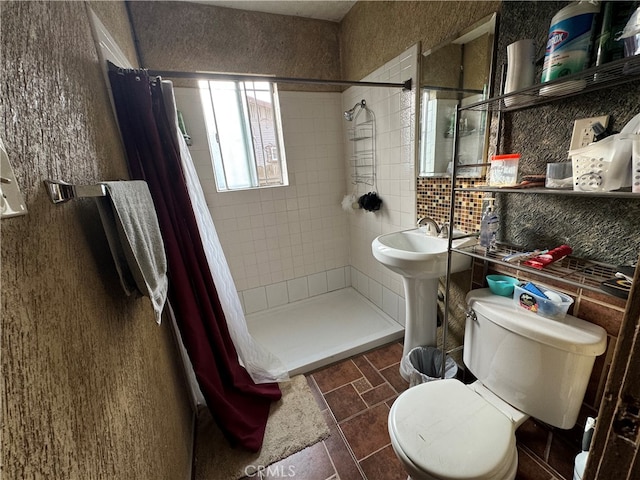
442	232
432	225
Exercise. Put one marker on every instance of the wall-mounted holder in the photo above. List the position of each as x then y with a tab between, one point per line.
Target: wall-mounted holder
60	192
11	200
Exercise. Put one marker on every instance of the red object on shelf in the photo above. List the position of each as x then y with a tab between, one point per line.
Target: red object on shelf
551	256
506	156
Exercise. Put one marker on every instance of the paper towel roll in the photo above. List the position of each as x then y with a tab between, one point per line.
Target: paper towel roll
520	68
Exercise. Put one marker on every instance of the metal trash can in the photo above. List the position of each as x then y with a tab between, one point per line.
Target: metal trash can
424	364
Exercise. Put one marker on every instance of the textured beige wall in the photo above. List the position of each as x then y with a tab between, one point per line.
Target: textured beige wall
90	384
374	32
115	18
189	37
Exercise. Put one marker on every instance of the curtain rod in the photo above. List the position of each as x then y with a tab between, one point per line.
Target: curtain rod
239	77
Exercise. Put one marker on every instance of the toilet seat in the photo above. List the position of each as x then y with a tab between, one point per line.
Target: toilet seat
447	431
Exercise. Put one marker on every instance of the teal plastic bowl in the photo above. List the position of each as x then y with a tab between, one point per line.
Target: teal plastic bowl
502	284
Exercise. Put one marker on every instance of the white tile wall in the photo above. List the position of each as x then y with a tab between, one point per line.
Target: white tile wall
375	293
255	300
395	112
390	302
278	234
336	279
298	289
277	294
317	284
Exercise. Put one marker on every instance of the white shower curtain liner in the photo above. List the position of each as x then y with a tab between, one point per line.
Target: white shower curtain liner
262	365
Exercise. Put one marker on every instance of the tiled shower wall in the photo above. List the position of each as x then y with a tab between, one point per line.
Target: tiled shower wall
395	113
283	243
288	243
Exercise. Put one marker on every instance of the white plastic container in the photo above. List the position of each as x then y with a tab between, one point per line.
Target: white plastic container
579	465
603	166
559	175
504	170
542	306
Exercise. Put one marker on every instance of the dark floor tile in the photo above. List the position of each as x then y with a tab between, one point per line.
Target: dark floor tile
531	469
385	356
336	375
340	454
369	371
379	394
344	402
534	436
367	432
562	456
312	463
392	375
383	465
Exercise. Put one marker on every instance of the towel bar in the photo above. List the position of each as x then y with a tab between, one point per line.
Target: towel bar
60	192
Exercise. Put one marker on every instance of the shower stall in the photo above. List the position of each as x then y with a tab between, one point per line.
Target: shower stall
310	288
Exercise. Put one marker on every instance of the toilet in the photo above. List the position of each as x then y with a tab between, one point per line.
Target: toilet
525	365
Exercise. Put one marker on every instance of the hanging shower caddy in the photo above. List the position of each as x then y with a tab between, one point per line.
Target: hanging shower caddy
362	137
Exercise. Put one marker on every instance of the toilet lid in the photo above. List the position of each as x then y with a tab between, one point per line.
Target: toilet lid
451	432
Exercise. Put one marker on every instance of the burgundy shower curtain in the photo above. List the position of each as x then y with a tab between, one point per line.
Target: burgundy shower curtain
239	406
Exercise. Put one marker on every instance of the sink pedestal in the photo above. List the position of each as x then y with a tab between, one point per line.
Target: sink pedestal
420	260
421	300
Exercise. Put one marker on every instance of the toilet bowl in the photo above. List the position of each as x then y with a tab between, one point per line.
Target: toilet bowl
525	365
445	430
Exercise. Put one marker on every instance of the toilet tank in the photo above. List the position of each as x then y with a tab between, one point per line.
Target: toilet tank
539	365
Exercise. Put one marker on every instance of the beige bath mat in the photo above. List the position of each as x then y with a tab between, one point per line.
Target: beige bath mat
295	422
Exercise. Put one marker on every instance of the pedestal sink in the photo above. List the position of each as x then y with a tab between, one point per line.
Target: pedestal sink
420	260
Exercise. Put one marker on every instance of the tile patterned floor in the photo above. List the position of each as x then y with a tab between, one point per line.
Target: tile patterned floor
355	396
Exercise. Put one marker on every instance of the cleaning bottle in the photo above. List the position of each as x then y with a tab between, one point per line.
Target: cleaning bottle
569	44
489	225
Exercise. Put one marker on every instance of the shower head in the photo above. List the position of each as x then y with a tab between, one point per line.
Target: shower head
348	115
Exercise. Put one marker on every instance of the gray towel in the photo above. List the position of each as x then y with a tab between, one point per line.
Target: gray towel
131	226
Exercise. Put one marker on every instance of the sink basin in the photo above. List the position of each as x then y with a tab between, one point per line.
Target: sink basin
421	260
414	254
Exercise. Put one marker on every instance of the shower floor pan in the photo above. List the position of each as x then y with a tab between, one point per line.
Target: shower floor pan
321	330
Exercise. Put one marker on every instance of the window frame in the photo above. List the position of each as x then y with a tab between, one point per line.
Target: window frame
248	165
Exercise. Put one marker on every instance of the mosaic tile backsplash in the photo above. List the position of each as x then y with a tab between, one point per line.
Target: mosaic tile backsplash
433	199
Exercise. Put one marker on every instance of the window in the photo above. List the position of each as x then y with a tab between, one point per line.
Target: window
244	133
